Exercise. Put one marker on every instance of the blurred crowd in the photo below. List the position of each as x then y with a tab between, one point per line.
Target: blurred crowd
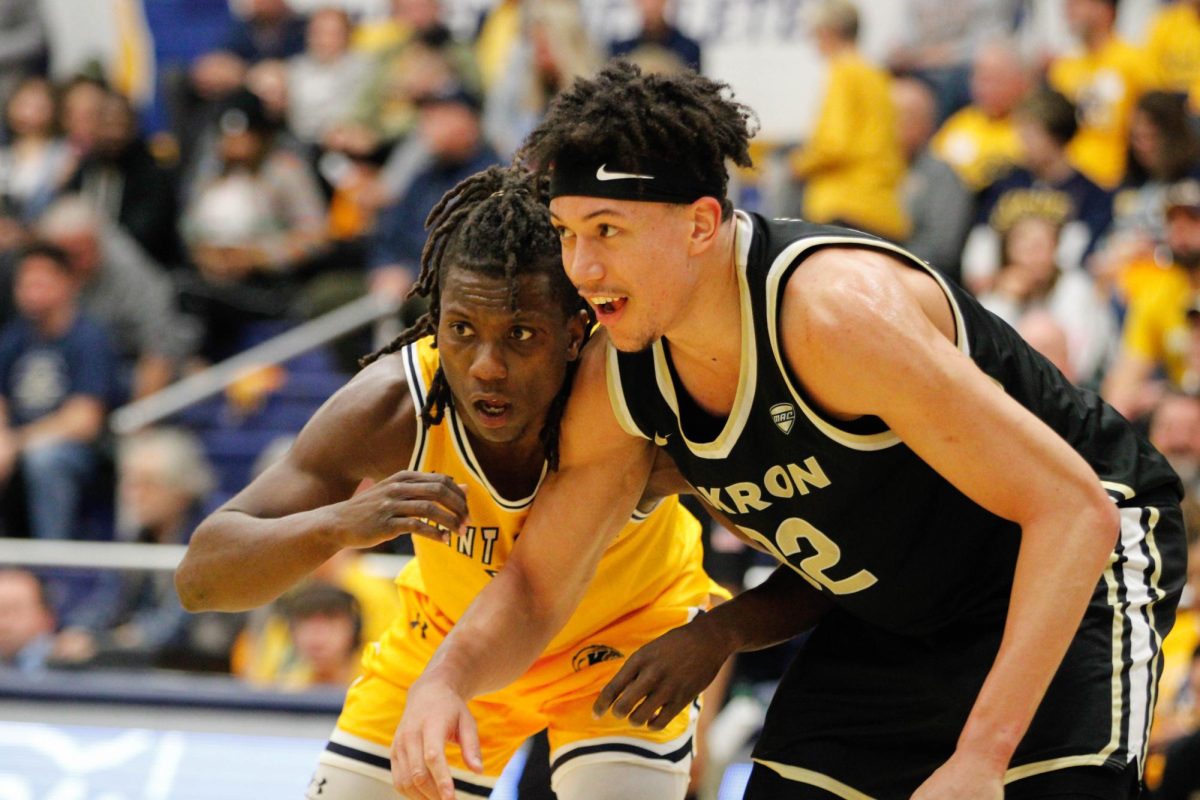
298	162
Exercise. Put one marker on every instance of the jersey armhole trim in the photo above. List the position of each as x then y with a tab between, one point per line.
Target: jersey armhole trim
616	394
417	388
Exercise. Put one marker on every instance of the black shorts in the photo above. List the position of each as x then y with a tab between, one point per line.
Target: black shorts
863	712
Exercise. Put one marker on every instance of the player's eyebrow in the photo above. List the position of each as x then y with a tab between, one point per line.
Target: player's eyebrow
593	214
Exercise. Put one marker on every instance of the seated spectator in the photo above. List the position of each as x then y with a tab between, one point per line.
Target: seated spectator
1173	49
499	33
425	58
852	165
659	45
1175	432
125	292
80	102
552	53
323	80
1163	148
1157	336
268	30
134	618
326	626
27	622
123	181
1103	81
56	368
980	141
1045	124
249	227
1044	334
449	125
1031	280
937	202
36	162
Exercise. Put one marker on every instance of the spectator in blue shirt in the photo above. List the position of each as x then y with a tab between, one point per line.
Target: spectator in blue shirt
27	621
448	122
56	372
659	46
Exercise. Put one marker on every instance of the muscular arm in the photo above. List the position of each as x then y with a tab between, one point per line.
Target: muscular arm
297	514
871	337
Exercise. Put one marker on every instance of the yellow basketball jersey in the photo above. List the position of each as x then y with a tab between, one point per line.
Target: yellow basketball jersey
646	559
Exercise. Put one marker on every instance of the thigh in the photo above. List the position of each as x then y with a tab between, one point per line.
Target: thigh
376	702
332	782
569	683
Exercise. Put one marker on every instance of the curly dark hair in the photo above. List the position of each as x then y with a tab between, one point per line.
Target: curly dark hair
625	117
492	223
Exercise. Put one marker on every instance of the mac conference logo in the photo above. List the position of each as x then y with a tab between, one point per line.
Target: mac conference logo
594	654
784	416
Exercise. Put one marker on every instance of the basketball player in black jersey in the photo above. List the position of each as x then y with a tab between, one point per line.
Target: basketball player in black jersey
994	555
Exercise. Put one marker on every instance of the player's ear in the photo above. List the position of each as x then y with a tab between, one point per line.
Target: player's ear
705	224
576	326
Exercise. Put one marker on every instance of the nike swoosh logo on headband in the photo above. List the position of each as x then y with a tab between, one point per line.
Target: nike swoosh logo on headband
602	174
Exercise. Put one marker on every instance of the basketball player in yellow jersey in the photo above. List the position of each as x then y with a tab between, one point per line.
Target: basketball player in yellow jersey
457	440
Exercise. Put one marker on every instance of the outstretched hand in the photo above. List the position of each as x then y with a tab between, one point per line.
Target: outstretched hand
422	503
434	716
663	677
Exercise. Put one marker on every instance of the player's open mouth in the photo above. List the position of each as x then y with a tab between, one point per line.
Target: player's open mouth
492	413
607	306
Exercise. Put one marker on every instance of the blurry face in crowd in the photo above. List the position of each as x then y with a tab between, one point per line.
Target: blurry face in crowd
1183	236
81	114
31	109
243	148
42	289
1145	140
325	641
269	10
997	81
1032	243
116	128
22	616
148	495
1040	148
420	14
630	261
915	114
1086	17
1175	431
328	35
451	130
83	248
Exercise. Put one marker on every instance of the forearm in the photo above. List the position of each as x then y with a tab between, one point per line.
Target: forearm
235	561
1059	564
74	422
753	620
499	637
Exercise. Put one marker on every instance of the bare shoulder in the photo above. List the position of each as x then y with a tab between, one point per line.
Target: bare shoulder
850	316
590	430
369	426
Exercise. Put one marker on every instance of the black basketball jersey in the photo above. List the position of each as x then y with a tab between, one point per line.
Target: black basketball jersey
847	504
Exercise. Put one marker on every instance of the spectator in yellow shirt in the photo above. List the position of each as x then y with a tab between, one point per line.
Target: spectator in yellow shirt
1173	49
852	165
980	141
1104	80
1158	334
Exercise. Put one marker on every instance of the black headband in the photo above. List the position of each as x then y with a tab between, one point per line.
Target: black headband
652	182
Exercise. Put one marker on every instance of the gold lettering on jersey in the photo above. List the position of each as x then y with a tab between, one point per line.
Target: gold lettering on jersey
778	481
826	554
747	496
813	474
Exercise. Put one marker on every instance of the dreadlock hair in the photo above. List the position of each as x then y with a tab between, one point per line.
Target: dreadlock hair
493	223
622	116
